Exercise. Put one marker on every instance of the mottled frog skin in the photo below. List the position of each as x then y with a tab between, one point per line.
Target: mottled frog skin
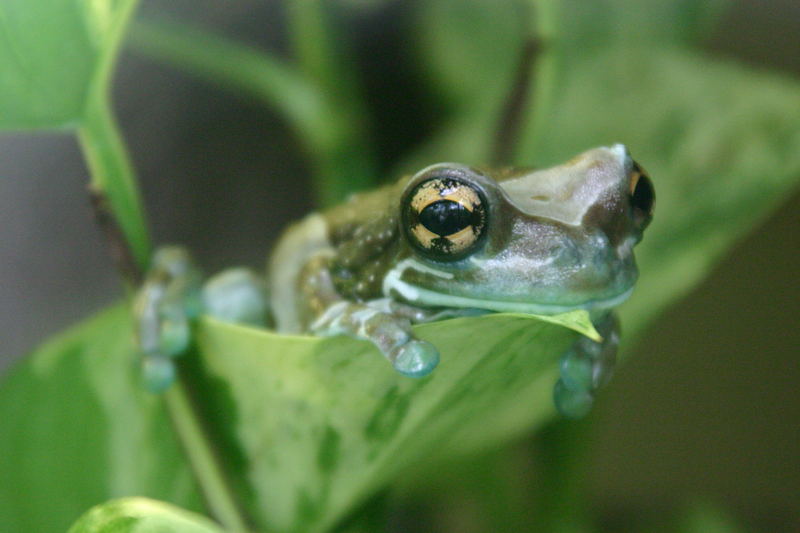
451	240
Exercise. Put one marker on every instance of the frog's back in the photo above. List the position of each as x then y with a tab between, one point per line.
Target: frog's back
353	236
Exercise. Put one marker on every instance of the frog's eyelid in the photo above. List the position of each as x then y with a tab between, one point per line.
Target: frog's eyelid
635	177
643	196
637	172
474	177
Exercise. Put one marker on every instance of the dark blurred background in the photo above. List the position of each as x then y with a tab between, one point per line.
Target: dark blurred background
709	404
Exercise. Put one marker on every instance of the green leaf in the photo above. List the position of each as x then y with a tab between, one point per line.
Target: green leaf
309	426
141	515
51	53
78	429
651	23
578	320
321	423
707	517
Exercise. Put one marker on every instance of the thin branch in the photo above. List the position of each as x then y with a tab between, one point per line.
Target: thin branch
507	132
546	18
203	462
118	210
323	57
216	491
324	113
239	67
112	177
120	249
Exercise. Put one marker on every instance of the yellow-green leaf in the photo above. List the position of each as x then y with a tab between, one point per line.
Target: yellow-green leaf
322	422
51	52
142	515
77	428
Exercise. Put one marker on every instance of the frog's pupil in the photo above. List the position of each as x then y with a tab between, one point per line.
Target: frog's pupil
445	217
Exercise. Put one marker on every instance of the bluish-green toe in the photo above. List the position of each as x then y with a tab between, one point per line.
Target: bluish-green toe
576	371
416	359
175	335
158	373
572	403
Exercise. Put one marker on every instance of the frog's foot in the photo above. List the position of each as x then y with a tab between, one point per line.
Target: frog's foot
586	367
172	297
389	332
164	307
237	295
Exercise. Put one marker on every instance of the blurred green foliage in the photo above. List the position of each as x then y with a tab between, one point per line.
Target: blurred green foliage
53	53
57	61
306	429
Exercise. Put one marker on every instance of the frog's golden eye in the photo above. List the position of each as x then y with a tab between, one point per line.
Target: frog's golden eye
445	218
643	195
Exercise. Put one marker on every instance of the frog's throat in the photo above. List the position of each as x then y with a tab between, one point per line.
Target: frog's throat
394	285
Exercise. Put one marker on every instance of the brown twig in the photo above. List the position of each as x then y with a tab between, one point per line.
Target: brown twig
508	127
118	245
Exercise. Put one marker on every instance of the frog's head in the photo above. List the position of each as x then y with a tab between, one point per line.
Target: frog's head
545	241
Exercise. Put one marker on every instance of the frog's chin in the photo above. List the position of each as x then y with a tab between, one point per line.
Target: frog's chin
428	298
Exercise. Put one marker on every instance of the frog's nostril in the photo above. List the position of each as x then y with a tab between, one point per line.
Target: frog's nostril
541	198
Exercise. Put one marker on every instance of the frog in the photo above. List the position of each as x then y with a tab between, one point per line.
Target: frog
448	241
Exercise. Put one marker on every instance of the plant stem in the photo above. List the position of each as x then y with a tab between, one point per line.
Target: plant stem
205	465
346	162
238	67
112	175
318	98
114	190
113	180
118	207
545	77
506	136
315	51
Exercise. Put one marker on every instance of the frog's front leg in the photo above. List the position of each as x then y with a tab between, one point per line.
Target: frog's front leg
384	324
173	296
585	367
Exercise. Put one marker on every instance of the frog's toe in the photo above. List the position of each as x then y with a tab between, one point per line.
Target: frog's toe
415	358
572	403
603	370
237	295
577	370
164	307
158	373
174	332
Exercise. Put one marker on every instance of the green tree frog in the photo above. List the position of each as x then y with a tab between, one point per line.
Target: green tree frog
451	240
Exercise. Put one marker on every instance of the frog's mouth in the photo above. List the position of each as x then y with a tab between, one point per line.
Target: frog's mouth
395	286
